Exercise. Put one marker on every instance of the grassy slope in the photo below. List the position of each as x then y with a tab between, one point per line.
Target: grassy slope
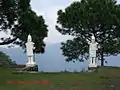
107	78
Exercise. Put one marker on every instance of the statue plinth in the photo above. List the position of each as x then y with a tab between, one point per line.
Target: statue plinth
23	68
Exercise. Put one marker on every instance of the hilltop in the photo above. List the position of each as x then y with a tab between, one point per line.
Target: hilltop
107	78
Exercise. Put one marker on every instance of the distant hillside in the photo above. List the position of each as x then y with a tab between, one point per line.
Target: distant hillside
53	60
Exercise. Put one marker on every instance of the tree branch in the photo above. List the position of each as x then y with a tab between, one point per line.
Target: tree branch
8	42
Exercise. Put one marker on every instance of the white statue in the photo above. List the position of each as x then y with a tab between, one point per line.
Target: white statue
93	47
29	50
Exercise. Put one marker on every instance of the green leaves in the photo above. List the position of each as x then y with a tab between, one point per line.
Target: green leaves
18	17
5	61
86	17
75	49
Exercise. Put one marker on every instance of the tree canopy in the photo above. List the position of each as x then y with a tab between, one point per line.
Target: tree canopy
86	17
17	17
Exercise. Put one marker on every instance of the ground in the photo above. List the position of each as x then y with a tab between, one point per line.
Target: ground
106	78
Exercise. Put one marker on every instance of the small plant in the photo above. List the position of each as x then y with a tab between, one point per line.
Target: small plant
75	71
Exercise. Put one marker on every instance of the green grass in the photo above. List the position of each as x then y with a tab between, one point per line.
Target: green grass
107	78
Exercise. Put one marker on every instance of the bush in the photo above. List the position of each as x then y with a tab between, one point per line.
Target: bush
5	61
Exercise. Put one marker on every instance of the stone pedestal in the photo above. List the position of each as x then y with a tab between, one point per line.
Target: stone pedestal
34	68
29	69
92	69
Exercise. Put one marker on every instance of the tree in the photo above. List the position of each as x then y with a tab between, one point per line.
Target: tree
86	17
5	61
17	17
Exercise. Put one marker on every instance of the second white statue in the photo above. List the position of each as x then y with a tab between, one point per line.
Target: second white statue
93	47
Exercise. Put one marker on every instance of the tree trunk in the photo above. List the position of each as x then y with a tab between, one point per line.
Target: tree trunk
102	57
34	57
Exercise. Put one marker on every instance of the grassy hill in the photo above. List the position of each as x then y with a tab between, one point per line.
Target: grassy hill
107	78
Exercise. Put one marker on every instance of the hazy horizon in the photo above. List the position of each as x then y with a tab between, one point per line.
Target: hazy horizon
53	60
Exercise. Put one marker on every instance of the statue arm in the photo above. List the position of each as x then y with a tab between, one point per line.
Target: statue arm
88	41
98	46
33	46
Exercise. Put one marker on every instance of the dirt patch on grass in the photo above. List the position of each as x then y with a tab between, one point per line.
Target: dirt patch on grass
111	84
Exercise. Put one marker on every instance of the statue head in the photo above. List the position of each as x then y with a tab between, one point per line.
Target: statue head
93	38
29	38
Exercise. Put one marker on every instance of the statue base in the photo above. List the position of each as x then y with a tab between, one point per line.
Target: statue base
28	68
32	68
92	69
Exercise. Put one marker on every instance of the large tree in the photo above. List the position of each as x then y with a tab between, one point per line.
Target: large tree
86	17
17	17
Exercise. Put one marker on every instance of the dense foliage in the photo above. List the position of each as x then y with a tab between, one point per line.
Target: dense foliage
17	17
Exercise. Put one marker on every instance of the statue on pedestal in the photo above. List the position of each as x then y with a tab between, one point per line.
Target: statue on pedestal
93	47
29	50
